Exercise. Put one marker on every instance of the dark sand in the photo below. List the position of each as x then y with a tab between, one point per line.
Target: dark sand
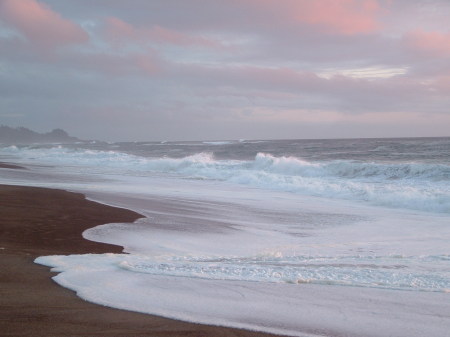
36	222
10	166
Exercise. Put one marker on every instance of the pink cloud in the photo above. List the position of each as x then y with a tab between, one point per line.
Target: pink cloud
343	16
347	17
432	43
39	24
149	63
119	31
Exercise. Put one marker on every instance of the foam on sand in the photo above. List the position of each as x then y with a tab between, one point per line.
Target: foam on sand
291	309
271	268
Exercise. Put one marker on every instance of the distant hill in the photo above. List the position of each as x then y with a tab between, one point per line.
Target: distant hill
22	135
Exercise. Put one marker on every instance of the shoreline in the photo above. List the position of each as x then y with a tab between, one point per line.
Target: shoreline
40	221
11	166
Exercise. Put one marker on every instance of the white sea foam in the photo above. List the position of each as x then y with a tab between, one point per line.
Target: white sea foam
362	271
259	262
223	142
270	269
418	186
291	309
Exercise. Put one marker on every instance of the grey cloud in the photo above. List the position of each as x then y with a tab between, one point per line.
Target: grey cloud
158	91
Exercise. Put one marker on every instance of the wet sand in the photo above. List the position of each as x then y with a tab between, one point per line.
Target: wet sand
38	221
10	166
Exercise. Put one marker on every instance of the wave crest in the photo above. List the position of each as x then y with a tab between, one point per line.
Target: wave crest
418	186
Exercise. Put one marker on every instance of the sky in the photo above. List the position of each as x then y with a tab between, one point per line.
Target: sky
226	69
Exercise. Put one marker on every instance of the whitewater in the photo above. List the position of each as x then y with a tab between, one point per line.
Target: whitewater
295	237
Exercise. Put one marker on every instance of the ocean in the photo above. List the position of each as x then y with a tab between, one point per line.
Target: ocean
296	237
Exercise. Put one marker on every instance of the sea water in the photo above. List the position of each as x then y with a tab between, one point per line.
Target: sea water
297	237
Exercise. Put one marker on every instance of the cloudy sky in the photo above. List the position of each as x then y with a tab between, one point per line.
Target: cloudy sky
226	69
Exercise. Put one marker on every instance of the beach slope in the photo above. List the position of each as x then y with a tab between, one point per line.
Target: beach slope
38	221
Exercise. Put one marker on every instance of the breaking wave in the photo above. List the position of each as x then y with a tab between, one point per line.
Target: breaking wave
418	186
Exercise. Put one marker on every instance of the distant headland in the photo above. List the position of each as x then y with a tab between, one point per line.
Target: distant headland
23	135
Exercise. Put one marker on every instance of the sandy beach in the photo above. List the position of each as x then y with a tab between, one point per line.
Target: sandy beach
38	221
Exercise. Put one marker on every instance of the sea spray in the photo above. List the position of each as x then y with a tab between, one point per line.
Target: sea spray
423	186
